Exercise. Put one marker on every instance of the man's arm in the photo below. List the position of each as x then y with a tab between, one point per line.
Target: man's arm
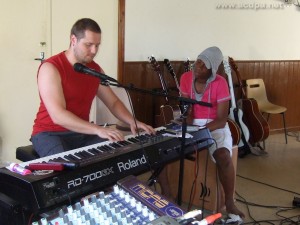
119	110
51	92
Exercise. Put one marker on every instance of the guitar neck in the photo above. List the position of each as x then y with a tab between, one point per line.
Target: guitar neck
171	71
238	76
230	83
156	68
187	65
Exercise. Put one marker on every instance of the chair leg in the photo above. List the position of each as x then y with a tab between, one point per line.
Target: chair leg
284	126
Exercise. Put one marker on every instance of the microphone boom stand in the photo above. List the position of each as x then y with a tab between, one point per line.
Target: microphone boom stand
181	162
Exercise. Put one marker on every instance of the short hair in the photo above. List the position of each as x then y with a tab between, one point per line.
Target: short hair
84	24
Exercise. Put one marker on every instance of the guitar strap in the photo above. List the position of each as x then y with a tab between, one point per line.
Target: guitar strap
245	149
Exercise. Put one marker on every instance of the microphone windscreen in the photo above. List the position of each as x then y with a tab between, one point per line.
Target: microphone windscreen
78	67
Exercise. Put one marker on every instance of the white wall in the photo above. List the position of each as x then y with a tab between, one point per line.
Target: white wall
24	24
22	29
178	29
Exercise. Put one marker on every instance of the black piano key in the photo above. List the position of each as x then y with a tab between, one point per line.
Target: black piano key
59	159
105	148
133	140
83	154
71	157
94	151
138	140
115	145
78	154
86	154
124	143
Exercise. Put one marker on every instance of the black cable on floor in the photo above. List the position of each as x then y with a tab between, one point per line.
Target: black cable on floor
296	193
283	221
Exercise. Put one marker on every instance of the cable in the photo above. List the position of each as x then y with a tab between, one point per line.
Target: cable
281	209
288	219
30	218
205	172
248	209
193	188
268	184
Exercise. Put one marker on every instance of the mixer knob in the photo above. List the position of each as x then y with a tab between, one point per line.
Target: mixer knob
127	198
94	198
61	213
112	204
93	221
151	216
116	189
70	209
132	202
98	203
101	219
117	209
79	221
77	206
128	219
44	221
87	217
145	211
121	193
66	219
73	217
83	219
101	195
139	206
86	202
106	199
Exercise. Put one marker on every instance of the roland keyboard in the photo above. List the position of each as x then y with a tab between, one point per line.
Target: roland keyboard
101	165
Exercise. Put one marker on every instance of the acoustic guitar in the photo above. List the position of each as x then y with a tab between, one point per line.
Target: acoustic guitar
256	123
235	114
167	112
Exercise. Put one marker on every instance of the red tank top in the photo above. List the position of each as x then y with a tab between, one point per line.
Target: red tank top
79	91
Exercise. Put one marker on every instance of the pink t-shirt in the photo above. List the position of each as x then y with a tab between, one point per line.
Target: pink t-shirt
216	92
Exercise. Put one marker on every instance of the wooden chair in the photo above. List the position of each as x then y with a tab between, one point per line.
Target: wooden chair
256	89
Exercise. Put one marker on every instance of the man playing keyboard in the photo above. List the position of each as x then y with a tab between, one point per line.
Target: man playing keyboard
62	121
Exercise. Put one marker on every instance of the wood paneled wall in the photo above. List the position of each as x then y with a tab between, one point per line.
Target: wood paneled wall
282	80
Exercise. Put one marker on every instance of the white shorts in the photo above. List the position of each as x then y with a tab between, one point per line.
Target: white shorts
222	137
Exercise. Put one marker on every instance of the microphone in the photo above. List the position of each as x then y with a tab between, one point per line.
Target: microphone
78	67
